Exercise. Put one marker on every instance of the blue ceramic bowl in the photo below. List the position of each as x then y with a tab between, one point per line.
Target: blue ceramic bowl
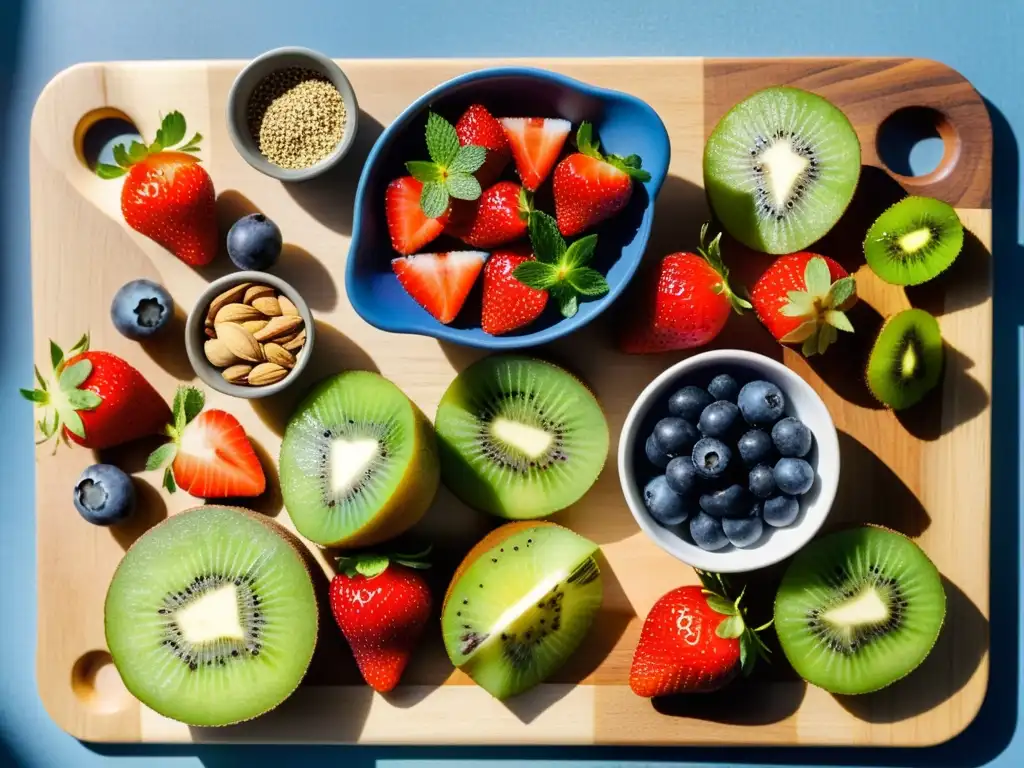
623	124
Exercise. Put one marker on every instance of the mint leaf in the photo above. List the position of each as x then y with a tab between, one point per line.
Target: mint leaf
56	354
442	140
587	281
372	565
424	171
433	199
547	242
536	274
468	159
83	399
161	456
121	156
105	171
171	130
137	152
74	375
463	186
580	252
35	395
169	483
568	304
194	402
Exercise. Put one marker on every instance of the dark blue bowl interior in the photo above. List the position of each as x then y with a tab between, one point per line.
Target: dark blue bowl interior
624	125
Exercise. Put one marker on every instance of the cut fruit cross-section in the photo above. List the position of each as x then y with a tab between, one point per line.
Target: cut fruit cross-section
536	143
440	282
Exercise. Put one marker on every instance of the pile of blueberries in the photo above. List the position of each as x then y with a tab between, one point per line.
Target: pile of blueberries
731	462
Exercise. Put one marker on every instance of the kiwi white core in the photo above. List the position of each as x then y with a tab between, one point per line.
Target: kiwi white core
909	362
212	617
349	461
865	608
528	439
915	240
783	167
511	614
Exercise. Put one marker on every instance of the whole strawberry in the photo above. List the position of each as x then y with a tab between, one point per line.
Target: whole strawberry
694	640
686	304
479	127
507	303
96	399
800	299
167	195
500	216
381	605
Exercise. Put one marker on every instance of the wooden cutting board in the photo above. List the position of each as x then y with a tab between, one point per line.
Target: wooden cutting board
925	473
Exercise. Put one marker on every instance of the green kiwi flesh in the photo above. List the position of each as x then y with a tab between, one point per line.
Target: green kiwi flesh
913	241
906	360
780	169
520	605
859	609
358	461
211	617
520	438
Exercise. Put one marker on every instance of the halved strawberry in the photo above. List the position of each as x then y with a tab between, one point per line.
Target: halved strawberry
536	143
508	304
409	227
210	455
440	282
478	126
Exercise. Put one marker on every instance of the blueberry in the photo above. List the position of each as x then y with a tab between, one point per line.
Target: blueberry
743	531
688	403
792	437
711	457
733	501
761	481
719	419
794	477
724	387
780	511
675	436
665	506
254	242
707	532
761	403
755	447
654	454
682	476
104	495
140	309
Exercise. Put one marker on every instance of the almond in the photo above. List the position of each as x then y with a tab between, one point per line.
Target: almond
266	373
268	305
230	296
254	292
254	325
295	344
240	342
218	354
236	374
275	353
278	327
287	308
237	313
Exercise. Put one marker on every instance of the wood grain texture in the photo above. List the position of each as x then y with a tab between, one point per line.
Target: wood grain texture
922	474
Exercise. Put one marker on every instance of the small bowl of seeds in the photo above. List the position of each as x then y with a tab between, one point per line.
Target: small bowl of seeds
292	113
249	335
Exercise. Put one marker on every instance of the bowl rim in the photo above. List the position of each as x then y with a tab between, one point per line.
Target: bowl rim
827	437
197	358
340	81
387	137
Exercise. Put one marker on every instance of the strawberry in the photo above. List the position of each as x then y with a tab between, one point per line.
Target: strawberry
478	126
509	304
440	282
210	455
590	187
96	399
381	605
693	640
536	143
499	217
801	297
409	227
167	195
689	300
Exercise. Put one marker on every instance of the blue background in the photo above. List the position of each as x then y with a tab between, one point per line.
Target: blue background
38	38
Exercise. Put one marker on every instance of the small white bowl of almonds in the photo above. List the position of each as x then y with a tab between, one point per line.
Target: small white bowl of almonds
249	335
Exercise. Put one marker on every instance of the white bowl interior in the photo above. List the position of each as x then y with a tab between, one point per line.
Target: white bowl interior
801	401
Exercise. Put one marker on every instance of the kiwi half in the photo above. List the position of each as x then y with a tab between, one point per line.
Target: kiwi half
520	438
780	168
520	604
358	461
859	609
906	360
211	617
914	240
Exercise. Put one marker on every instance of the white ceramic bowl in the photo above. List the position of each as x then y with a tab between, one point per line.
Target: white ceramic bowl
801	401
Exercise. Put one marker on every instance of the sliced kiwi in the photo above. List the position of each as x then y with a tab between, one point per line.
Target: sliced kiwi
520	438
914	240
211	618
780	168
520	604
906	360
358	461
859	609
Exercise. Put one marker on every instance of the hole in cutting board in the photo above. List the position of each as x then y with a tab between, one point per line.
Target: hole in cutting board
99	131
96	683
916	142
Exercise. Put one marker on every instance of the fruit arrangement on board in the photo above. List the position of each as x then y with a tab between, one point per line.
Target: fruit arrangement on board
212	616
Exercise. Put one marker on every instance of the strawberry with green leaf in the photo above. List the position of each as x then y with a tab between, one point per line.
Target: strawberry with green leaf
449	172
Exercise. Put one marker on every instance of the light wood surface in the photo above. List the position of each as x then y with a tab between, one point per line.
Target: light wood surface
925	474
